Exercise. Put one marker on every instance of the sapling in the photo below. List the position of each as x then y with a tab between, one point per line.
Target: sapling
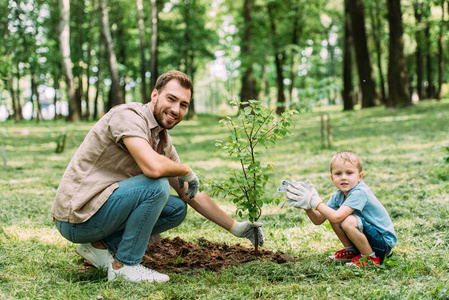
255	126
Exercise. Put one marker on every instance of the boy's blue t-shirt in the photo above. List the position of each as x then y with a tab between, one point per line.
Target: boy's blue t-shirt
366	205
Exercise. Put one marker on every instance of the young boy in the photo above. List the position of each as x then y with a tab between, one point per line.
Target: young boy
359	220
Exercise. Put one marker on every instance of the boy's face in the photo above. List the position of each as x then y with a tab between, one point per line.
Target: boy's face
345	175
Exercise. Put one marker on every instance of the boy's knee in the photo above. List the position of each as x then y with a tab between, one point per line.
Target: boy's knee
349	223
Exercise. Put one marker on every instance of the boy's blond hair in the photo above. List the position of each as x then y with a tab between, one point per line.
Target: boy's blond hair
348	156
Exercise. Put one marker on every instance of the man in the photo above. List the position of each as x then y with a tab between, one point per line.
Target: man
114	194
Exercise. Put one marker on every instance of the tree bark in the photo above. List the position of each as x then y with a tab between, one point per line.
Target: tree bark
419	52
348	87
279	64
248	89
115	92
64	45
430	85
15	101
154	44
398	80
376	25
143	63
440	53
366	79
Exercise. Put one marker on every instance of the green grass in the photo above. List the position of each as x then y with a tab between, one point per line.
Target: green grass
403	154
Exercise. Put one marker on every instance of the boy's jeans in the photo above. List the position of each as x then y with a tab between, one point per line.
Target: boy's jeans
139	208
375	239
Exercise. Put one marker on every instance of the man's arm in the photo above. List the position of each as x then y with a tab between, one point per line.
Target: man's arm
151	163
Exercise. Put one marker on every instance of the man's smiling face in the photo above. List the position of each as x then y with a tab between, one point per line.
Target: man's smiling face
170	104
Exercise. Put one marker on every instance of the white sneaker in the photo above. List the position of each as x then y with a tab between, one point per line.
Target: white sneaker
100	258
137	273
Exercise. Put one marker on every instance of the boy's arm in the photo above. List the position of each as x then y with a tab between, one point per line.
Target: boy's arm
325	212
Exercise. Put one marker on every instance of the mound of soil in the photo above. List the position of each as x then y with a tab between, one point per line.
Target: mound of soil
178	256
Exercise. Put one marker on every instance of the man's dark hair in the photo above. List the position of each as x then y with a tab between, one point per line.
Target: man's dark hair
182	78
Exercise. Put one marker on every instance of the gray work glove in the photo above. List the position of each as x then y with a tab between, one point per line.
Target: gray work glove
193	181
300	194
246	230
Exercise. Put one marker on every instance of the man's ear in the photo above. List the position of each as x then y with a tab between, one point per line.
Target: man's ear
154	94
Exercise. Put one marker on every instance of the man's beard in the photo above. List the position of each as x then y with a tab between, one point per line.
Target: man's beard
159	116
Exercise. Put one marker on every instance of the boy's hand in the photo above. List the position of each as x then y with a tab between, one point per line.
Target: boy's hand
314	198
301	195
294	194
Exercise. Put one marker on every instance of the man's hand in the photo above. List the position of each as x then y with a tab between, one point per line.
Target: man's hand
193	182
246	230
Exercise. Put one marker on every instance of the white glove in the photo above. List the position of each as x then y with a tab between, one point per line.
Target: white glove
301	195
246	229
193	181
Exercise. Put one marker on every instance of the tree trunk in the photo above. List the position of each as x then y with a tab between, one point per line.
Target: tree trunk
64	45
366	79
398	80
419	52
440	53
248	89
280	108
35	96
430	86
115	92
348	87
143	63
376	25
154	44
294	60
79	93
57	98
98	86
15	101
89	64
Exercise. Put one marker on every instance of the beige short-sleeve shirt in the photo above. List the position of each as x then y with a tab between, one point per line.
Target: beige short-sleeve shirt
102	160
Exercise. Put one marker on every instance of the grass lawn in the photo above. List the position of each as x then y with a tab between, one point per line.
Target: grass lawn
403	153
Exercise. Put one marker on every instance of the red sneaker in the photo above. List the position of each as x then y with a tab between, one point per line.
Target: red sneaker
363	261
343	255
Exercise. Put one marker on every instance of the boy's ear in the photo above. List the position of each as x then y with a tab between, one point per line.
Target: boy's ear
361	176
332	177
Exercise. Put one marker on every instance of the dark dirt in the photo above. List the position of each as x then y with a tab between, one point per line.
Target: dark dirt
179	256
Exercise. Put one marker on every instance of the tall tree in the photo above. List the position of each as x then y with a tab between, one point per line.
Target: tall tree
440	51
115	92
64	44
348	87
398	81
248	88
141	24
419	51
366	79
376	29
154	43
279	62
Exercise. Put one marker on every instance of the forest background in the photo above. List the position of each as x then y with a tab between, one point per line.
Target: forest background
80	58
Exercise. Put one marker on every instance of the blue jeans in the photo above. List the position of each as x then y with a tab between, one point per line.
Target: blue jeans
375	239
139	208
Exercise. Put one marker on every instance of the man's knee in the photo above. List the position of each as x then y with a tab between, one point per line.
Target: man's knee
162	186
181	208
